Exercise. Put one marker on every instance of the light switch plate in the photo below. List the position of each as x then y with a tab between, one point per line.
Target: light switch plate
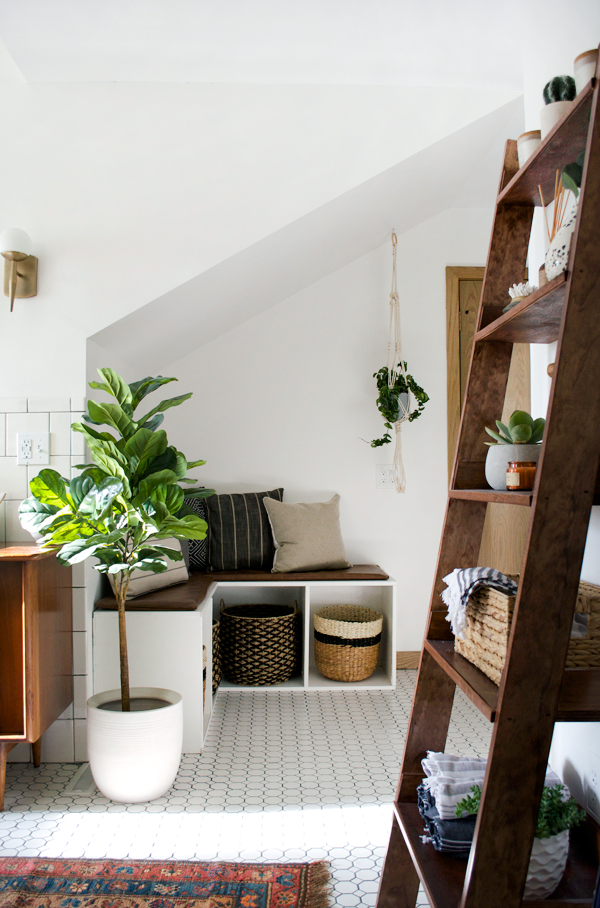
33	447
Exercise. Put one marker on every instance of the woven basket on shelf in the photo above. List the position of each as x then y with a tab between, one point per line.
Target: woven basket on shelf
489	618
259	643
216	655
347	641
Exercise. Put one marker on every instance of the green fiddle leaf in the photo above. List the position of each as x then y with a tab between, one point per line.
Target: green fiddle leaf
162	550
143	448
152	482
49	488
165	405
200	492
141	389
170	496
195	463
100	498
154	423
35	515
114	385
111	415
79	488
182	528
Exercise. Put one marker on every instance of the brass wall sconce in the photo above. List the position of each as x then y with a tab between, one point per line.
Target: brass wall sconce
20	268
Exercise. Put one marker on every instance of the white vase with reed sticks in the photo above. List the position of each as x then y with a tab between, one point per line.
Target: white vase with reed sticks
559	233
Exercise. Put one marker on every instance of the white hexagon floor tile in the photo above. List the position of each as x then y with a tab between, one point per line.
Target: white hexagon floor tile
284	777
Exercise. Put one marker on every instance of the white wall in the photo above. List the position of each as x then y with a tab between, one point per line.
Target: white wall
286	398
129	190
551	52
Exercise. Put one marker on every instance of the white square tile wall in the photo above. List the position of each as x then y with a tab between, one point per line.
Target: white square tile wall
54	415
284	776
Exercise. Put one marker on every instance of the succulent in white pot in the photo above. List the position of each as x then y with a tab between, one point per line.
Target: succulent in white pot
558	814
519	441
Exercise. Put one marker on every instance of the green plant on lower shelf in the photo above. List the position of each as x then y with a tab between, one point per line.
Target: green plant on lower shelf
522	429
389	405
572	174
556	813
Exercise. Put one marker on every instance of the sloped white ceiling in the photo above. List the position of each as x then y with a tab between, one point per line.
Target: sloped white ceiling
367	42
458	171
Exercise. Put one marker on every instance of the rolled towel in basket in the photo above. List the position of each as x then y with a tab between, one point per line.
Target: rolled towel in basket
462	582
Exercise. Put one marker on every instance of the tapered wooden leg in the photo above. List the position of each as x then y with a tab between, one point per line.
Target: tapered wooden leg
5	748
399	884
36	751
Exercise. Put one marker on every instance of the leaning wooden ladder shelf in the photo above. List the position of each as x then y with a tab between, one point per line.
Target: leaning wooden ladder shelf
535	690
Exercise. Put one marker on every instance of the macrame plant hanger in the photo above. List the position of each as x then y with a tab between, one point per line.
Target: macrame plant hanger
396	369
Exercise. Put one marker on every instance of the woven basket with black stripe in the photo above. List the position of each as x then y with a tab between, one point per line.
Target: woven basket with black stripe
347	641
259	643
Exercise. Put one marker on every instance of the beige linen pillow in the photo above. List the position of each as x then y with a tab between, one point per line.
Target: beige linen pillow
143	582
307	537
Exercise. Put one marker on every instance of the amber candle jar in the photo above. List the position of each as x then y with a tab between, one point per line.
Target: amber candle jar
520	475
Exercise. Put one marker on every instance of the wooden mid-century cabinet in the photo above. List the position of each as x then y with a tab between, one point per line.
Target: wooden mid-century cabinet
36	647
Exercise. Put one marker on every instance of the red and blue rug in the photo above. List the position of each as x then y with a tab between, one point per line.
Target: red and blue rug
64	883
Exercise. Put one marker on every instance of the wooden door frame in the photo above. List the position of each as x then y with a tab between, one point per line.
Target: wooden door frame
455	274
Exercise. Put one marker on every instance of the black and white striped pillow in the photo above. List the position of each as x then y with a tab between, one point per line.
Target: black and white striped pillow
239	532
197	547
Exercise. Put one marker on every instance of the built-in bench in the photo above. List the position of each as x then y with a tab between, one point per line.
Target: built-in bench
167	629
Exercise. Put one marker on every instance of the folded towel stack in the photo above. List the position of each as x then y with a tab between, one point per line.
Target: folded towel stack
460	585
449	779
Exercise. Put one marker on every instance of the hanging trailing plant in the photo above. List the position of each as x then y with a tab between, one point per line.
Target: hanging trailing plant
388	401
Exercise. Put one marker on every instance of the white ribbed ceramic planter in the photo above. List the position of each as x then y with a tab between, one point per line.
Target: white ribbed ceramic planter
498	456
135	756
550	114
546	865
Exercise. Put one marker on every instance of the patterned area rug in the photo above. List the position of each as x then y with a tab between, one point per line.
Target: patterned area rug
61	883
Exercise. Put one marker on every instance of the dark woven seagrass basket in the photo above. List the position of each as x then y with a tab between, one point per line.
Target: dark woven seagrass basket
216	656
259	643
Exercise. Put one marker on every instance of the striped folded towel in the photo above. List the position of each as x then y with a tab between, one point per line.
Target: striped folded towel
461	583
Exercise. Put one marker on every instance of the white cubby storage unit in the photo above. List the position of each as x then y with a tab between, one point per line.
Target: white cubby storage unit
165	647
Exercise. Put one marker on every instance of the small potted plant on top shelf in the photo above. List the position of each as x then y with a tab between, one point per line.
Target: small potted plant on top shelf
519	441
559	94
558	814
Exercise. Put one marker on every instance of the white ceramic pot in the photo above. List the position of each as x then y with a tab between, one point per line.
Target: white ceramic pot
557	257
498	456
135	756
527	144
546	865
550	114
584	68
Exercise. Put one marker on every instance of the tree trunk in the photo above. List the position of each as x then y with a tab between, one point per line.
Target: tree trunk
121	595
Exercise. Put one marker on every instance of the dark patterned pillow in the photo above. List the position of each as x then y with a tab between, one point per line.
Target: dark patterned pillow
239	532
197	547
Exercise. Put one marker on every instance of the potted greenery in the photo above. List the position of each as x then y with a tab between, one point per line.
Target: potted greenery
121	509
520	440
559	94
558	814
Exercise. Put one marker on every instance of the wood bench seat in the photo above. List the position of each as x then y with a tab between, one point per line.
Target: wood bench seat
188	596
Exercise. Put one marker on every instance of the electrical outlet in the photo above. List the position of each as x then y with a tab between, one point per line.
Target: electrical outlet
384	476
33	447
593	786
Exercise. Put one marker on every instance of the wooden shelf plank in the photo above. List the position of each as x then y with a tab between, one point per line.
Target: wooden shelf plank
491	495
579	694
561	146
477	686
443	876
535	320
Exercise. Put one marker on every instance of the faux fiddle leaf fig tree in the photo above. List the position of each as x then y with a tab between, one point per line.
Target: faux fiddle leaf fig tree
126	502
